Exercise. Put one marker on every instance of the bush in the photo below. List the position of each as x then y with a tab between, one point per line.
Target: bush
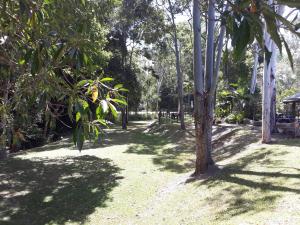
235	118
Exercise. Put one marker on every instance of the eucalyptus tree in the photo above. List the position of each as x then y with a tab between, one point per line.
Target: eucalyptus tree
199	111
269	92
255	68
244	22
173	8
205	83
161	72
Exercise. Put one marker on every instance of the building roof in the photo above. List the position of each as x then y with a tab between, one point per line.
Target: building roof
293	98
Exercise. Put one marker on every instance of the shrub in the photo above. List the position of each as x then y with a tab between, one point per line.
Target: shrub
235	118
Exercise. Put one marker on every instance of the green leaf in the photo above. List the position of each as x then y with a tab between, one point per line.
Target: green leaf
59	53
123	89
118	101
102	121
47	2
241	38
118	86
84	104
80	137
288	53
99	113
289	3
78	116
84	82
106	79
291	27
81	106
272	28
113	110
96	131
85	59
22	61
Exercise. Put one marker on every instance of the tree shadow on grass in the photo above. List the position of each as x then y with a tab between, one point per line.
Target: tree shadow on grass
171	163
233	143
180	157
287	141
64	143
43	191
238	202
146	144
252	190
239	191
167	158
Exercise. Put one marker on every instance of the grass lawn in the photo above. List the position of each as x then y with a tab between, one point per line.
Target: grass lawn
138	177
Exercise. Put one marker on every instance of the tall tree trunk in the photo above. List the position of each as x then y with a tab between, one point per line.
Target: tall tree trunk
157	100
127	109
254	72
273	109
178	70
269	89
273	129
47	122
266	106
201	151
213	92
123	118
3	137
210	80
219	53
225	64
273	90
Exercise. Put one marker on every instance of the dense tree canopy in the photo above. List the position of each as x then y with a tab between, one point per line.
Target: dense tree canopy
73	65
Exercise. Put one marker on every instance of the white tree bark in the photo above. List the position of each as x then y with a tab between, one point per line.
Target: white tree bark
255	67
219	53
273	93
209	78
266	106
201	151
269	86
206	88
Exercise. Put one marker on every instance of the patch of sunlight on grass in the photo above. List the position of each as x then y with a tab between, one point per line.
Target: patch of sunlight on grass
138	178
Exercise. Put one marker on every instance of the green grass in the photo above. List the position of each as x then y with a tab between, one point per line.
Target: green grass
137	177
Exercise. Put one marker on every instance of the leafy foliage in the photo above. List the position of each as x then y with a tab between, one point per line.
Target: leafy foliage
244	24
53	54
